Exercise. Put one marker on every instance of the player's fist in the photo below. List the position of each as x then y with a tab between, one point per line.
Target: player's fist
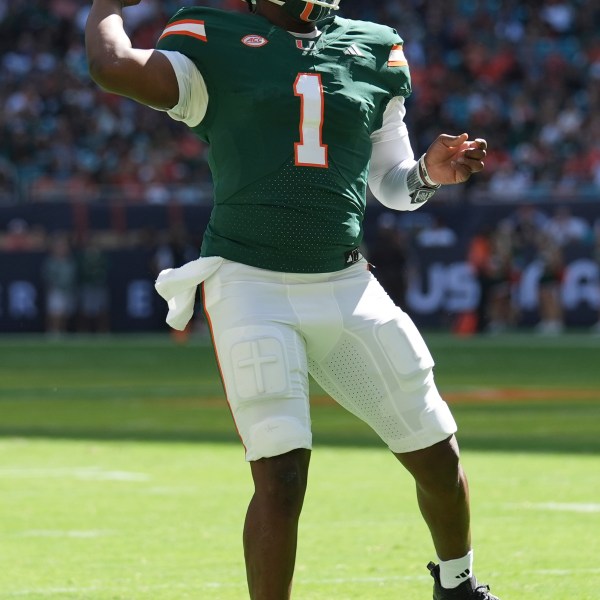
454	158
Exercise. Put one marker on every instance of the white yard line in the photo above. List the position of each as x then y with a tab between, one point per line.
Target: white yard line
57	533
241	584
80	473
576	507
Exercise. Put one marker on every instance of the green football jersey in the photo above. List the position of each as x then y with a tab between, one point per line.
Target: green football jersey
288	126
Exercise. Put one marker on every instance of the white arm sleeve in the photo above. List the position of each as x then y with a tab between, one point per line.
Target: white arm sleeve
391	159
193	95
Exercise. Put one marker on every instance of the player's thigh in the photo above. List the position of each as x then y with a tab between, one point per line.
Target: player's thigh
380	369
262	360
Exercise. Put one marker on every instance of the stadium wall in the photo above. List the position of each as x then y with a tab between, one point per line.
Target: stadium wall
441	284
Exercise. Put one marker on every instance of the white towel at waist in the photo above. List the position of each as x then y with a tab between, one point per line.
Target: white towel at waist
178	288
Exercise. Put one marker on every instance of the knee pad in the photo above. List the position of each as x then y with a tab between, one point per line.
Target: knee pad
276	435
425	415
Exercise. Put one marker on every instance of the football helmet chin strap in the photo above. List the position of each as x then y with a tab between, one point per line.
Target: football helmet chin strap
303	10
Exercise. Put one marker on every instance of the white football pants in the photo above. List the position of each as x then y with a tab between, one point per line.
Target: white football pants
271	329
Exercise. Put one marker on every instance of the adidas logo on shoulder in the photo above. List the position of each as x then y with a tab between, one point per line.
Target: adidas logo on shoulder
353	50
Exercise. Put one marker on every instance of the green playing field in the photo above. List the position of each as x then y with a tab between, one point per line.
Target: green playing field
121	477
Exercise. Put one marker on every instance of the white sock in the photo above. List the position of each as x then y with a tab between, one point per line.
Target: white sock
454	572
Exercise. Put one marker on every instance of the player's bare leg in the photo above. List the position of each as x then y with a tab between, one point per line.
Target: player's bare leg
271	528
443	495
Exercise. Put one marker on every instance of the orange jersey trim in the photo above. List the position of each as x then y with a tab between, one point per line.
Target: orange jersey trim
397	58
212	337
187	27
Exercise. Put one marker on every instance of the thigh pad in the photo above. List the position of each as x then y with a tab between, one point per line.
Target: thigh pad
254	363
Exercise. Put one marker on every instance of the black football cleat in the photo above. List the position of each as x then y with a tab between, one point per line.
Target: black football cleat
467	590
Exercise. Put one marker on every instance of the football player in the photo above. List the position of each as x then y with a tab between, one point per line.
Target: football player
302	109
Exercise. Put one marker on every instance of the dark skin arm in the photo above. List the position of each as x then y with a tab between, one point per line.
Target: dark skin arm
143	75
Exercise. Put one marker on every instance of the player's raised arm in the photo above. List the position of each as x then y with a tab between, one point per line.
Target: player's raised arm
143	75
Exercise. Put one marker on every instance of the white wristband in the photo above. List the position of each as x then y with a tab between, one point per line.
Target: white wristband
420	189
425	174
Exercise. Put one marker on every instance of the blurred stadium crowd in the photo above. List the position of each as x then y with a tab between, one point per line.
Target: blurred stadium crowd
526	75
527	266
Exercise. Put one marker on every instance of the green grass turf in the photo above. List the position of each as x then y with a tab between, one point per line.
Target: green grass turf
121	477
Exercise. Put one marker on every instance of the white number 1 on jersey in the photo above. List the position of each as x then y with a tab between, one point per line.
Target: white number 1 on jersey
310	150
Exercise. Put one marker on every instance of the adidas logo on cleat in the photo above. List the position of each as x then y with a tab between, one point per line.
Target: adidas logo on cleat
469	589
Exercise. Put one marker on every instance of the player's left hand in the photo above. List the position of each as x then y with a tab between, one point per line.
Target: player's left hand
454	158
